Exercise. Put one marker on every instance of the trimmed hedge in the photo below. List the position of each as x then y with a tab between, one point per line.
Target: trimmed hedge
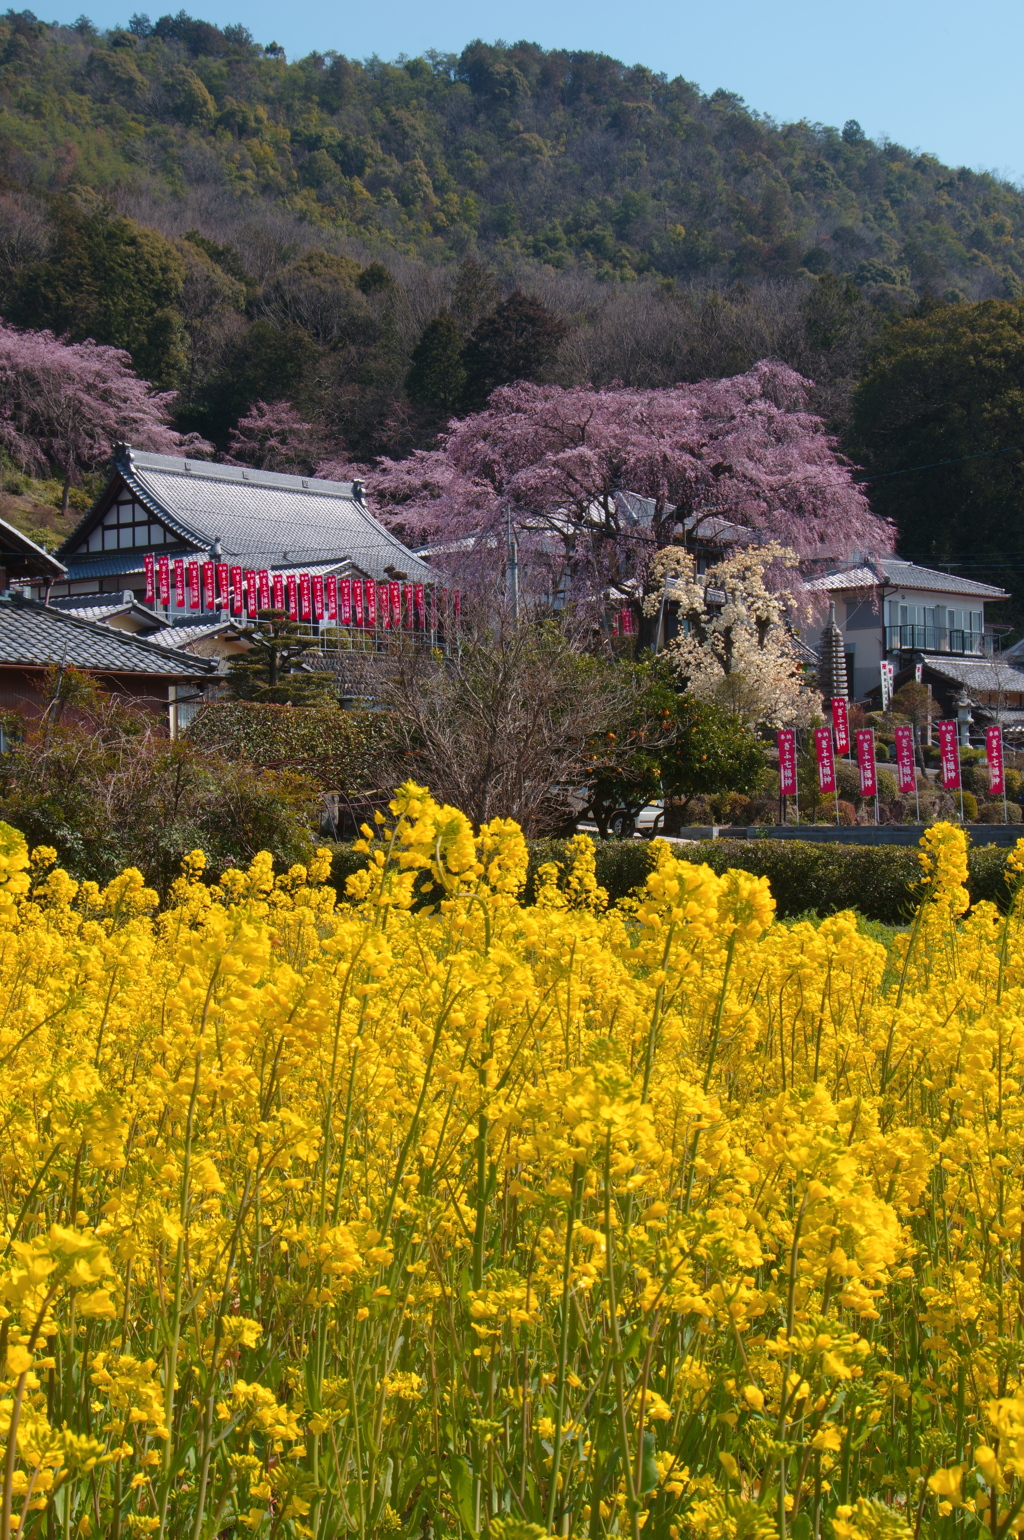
876	880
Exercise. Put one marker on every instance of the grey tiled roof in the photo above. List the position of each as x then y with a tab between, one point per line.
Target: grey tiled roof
894	573
14	543
32	634
105	606
260	518
976	673
174	637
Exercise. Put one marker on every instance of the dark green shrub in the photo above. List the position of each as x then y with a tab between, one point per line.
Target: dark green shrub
970	807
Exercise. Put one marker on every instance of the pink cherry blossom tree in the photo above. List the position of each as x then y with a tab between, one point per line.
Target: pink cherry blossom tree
276	438
552	465
64	405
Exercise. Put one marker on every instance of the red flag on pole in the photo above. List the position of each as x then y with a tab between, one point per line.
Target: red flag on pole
163	572
278	591
866	762
345	602
223	581
179	584
457	599
318	597
826	759
236	590
787	762
906	776
357	602
841	724
193	585
395	594
149	564
407	606
420	598
994	754
305	597
383	605
263	579
209	585
371	605
252	597
949	756
332	598
293	597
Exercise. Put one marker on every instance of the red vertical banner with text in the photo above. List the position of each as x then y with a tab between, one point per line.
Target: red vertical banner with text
209	585
357	603
420	600
866	762
826	759
305	597
179	584
370	610
345	601
193	585
252	597
994	755
293	597
263	580
787	762
277	588
163	578
383	606
949	756
223	585
236	590
149	565
395	599
331	590
906	775
318	597
841	724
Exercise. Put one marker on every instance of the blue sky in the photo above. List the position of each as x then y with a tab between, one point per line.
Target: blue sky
932	74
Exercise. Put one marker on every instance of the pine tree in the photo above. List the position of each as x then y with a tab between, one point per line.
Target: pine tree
270	671
437	378
516	341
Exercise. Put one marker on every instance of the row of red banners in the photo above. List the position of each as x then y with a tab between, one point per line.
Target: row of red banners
348	601
906	775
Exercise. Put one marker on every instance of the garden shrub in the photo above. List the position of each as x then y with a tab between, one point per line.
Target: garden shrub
340	750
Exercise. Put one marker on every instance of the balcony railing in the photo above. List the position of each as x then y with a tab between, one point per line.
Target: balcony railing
914	638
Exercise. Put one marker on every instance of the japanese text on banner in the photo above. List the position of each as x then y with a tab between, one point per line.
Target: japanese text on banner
866	762
826	761
949	756
787	762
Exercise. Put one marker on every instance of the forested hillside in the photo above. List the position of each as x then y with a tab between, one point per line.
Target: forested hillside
380	244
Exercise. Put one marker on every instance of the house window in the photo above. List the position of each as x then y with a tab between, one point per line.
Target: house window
126	526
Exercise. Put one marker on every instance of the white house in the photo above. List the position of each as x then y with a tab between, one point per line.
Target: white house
902	613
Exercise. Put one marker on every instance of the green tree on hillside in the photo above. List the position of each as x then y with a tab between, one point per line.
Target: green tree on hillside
518	340
948	386
110	280
437	375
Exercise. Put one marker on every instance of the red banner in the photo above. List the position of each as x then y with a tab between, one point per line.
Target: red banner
345	601
163	574
866	762
826	759
625	621
787	761
421	608
236	590
357	602
395	594
263	579
149	565
252	598
318	598
383	605
407	605
949	755
209	585
332	598
293	597
193	585
278	590
841	724
223	575
457	601
179	584
906	775
305	597
994	754
371	604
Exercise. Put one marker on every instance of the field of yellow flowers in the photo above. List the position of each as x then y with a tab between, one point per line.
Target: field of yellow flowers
435	1215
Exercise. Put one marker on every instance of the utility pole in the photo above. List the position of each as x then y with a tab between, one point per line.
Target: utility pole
513	562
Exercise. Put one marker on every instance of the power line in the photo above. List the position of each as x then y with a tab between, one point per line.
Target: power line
983	454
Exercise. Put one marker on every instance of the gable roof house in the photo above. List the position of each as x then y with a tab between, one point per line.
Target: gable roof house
35	637
160	505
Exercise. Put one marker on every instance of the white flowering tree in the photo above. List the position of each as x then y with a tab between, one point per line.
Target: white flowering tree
738	647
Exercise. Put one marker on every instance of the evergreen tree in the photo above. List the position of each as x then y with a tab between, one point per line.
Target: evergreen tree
437	378
270	671
516	341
